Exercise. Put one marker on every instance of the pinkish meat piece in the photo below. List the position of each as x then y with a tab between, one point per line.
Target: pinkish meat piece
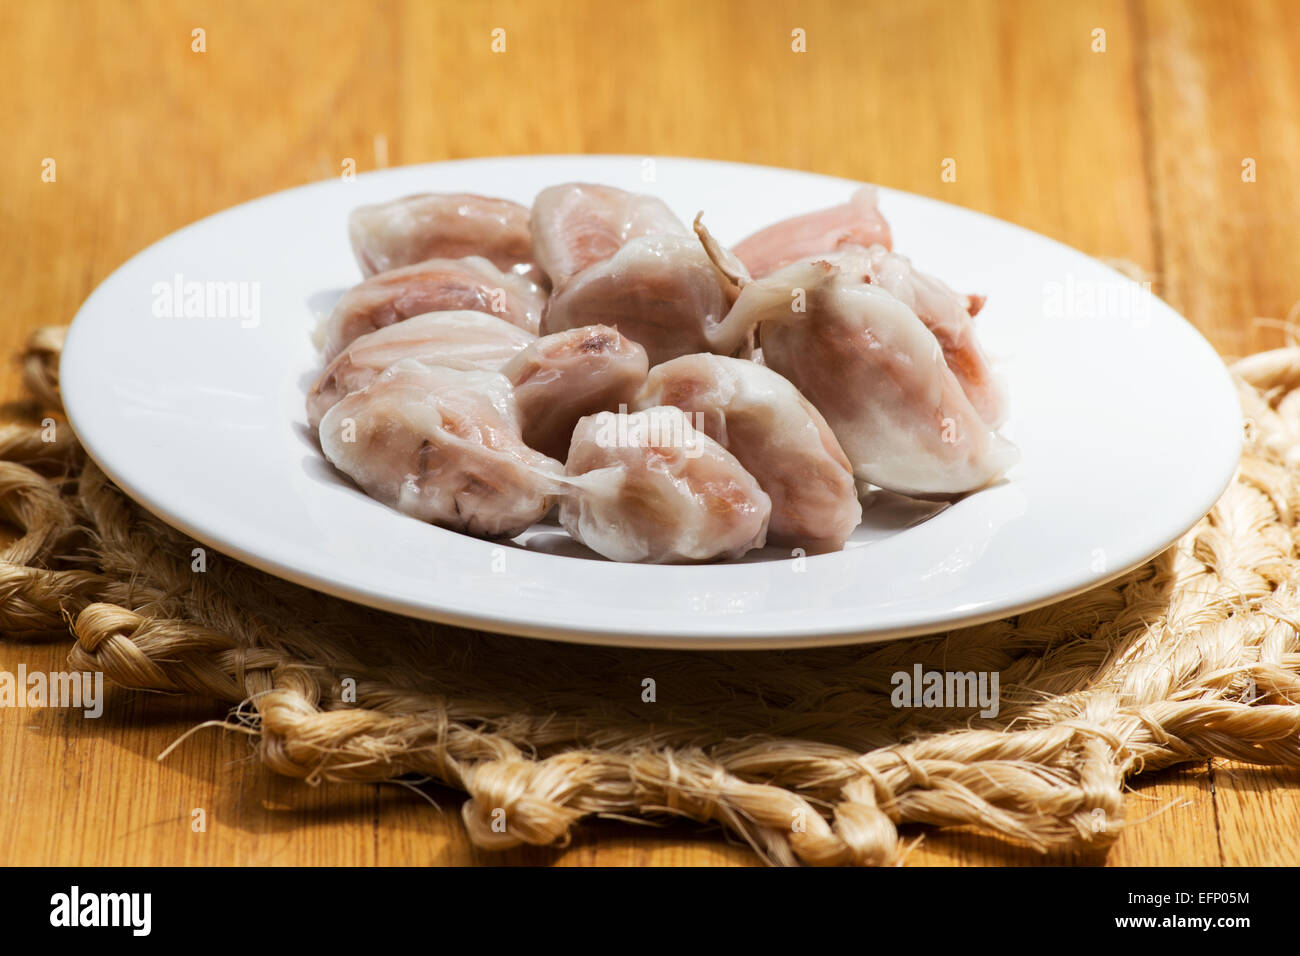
945	313
435	285
577	225
648	487
878	375
563	377
464	340
661	291
776	434
441	445
855	223
404	231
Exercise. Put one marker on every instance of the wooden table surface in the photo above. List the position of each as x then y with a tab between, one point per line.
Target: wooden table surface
1136	150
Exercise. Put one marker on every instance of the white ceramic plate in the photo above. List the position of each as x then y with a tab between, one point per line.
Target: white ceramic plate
1127	421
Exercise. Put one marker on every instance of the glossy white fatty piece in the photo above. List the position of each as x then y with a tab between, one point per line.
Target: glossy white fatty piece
878	375
463	340
404	231
435	285
442	445
577	225
776	434
648	487
563	377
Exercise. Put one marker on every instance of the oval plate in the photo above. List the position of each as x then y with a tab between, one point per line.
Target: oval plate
1127	421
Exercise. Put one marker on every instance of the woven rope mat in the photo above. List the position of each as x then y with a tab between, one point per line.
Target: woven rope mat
800	753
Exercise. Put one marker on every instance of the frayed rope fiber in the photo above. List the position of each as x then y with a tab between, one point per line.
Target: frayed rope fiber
800	753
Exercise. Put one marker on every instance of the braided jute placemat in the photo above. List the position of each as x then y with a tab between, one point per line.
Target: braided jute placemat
801	753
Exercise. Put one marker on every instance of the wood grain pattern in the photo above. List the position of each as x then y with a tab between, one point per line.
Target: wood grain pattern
1135	152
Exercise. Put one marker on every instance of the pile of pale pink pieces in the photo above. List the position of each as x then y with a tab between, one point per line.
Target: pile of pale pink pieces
678	401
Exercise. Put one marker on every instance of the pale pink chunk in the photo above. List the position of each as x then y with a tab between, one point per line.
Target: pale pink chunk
561	378
855	223
945	313
661	291
649	487
436	285
441	226
776	434
878	375
464	340
441	445
576	225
